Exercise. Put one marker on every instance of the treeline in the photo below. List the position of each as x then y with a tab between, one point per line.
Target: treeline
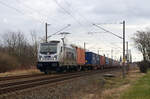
142	41
18	52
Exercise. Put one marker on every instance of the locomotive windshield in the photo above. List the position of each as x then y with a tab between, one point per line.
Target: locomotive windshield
48	48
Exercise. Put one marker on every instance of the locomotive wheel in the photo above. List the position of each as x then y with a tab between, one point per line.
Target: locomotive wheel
48	72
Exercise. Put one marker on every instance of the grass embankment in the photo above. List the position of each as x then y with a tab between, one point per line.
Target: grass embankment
20	72
139	90
114	88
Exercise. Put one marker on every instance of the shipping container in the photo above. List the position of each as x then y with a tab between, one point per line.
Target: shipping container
91	59
102	60
106	60
97	59
80	56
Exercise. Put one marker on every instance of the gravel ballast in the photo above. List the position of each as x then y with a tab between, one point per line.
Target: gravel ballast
78	88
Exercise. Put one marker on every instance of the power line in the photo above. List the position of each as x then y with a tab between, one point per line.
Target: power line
11	7
19	11
108	31
81	15
85	17
67	3
67	12
92	23
59	30
34	10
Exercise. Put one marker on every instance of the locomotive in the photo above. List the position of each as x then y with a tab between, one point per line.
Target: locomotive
59	57
56	56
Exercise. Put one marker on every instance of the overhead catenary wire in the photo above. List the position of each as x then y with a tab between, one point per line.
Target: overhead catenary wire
23	13
11	7
19	11
107	31
59	30
34	10
95	24
67	12
92	22
76	11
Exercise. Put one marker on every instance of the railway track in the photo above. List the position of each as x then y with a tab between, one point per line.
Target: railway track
21	85
20	77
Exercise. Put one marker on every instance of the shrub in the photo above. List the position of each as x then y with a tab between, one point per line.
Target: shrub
7	62
143	66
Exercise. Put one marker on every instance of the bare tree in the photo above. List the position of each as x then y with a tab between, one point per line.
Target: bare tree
34	43
142	41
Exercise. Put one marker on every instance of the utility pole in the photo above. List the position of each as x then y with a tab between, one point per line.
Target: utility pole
46	32
123	68
130	56
127	49
127	57
127	52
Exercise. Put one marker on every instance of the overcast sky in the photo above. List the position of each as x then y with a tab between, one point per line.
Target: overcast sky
27	15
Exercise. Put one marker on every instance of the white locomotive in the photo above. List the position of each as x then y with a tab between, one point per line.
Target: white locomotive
56	56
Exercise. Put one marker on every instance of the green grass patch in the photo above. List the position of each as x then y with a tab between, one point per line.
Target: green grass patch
139	90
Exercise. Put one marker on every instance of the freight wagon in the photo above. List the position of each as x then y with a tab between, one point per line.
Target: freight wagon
80	57
102	62
97	61
92	60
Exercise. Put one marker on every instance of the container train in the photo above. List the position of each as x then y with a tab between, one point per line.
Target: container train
59	57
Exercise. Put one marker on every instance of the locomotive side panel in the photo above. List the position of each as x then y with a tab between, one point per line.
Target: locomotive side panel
69	57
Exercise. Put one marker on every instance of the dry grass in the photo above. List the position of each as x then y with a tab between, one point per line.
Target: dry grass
113	87
20	72
118	87
113	93
8	62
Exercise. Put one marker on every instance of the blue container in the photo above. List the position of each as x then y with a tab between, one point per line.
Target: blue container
97	59
107	60
89	58
92	58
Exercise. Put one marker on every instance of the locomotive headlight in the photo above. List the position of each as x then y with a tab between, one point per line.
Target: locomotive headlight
55	57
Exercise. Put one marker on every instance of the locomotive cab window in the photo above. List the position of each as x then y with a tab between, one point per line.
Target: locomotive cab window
48	48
